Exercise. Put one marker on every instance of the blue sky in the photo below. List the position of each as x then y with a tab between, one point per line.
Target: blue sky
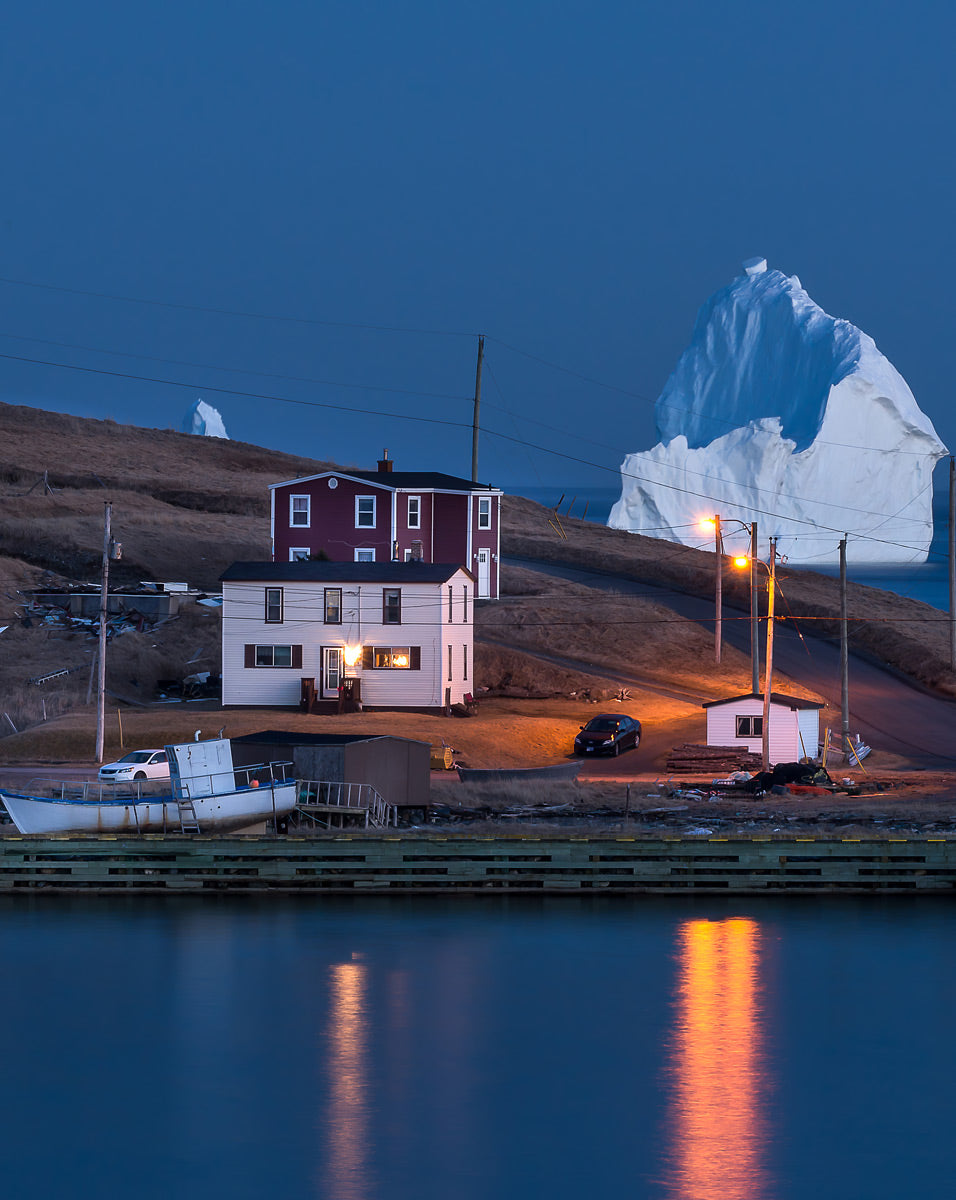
570	179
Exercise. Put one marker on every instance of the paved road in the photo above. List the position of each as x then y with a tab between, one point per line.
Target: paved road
889	712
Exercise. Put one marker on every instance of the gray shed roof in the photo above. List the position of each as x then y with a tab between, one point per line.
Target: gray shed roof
775	698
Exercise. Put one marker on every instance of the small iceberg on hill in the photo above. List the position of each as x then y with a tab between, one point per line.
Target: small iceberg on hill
781	414
205	420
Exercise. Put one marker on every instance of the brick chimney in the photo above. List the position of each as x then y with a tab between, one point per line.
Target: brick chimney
384	463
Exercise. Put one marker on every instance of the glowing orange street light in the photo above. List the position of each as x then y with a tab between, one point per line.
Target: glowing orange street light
771	592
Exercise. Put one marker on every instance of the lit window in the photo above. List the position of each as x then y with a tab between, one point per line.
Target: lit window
392	658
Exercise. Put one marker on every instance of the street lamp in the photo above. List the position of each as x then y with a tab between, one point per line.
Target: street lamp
718	527
771	569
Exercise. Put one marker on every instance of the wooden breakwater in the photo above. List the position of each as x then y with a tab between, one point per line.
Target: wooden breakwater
392	864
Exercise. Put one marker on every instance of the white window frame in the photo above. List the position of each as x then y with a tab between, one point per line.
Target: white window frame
484	512
307	523
417	523
276	604
299	553
364	554
373	523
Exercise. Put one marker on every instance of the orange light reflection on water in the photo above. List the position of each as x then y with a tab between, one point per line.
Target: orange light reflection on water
346	1168
717	1128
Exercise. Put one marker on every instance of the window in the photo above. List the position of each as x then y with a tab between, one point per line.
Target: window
274	656
484	512
364	512
391	606
464	603
750	727
392	658
300	513
333	606
299	554
450	594
414	512
273	606
364	555
464	660
449	664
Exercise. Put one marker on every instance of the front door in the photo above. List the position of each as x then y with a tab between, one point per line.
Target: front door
484	574
331	671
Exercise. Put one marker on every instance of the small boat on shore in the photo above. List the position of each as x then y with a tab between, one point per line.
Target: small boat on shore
205	794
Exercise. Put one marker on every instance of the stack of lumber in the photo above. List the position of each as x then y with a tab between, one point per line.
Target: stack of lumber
711	760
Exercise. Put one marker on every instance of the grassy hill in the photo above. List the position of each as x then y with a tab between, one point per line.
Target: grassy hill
185	507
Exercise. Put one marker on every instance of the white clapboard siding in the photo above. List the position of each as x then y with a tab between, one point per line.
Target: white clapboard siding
786	726
425	624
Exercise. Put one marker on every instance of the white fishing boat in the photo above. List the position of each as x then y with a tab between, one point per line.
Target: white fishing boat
205	794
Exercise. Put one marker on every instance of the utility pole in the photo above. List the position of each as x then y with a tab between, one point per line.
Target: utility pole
844	657
474	426
952	563
718	545
771	589
101	664
754	615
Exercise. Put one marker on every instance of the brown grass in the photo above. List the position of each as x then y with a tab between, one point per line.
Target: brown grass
911	636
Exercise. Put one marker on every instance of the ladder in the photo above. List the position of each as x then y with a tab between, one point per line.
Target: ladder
188	821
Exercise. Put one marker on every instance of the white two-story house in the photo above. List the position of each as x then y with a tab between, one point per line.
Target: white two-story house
392	635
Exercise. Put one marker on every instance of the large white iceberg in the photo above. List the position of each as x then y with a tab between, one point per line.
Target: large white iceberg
781	414
204	420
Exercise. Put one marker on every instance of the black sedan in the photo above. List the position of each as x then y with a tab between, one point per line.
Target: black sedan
609	733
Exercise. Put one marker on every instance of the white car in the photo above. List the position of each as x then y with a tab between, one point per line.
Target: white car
138	764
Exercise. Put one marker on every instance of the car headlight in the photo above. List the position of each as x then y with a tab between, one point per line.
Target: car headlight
608	742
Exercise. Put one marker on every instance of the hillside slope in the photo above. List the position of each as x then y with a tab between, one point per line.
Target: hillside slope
185	507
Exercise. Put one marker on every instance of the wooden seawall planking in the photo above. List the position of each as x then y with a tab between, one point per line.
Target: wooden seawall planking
392	864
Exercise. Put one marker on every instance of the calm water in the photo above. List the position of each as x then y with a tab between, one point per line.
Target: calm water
677	1050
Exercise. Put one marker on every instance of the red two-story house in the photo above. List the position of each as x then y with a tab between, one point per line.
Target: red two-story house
390	516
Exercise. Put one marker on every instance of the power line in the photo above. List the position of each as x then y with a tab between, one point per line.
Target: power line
176	362
228	312
457	425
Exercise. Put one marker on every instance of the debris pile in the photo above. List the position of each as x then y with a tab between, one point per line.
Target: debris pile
68	612
711	760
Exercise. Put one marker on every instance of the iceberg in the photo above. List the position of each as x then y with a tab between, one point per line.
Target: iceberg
781	414
205	420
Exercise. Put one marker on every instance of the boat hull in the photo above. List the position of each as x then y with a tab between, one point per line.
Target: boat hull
220	813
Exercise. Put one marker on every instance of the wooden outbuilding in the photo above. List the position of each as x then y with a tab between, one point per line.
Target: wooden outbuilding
794	725
398	768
